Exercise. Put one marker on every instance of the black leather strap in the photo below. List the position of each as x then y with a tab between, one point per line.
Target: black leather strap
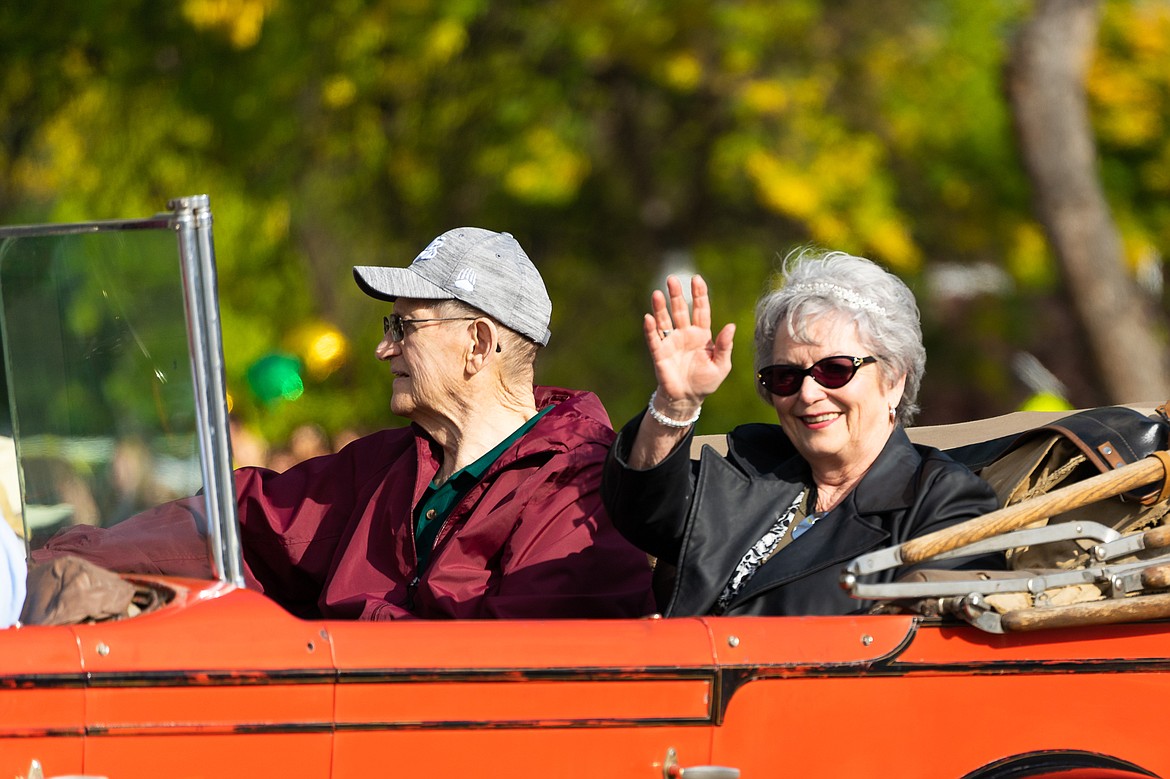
1109	437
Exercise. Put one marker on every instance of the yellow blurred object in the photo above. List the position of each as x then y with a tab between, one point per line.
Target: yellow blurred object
240	20
765	97
1046	401
684	72
322	348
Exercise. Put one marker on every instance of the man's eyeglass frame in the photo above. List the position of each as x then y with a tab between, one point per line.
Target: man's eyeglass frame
830	372
394	325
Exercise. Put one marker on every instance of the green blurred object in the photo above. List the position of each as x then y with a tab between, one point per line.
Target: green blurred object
276	377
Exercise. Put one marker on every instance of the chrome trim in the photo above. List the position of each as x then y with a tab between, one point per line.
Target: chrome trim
192	221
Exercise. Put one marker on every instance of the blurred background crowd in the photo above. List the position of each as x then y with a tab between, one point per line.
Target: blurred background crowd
305	441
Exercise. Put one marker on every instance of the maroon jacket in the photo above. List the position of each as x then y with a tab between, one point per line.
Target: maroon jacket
332	536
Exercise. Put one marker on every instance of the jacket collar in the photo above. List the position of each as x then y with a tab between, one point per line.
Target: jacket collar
576	420
889	483
848	531
762	450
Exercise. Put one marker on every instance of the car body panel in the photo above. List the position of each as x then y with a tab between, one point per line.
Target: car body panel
213	673
954	695
523	700
42	699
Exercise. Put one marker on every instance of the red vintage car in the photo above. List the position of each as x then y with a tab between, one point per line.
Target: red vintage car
116	393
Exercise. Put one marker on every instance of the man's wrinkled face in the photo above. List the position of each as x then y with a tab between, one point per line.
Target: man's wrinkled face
428	364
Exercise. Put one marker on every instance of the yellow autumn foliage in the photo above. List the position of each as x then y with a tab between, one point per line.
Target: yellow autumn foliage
683	71
551	171
339	92
782	186
241	21
765	96
446	39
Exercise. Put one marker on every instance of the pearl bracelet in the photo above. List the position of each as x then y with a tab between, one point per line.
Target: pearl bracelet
666	421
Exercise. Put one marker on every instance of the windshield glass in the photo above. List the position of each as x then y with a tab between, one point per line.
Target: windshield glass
100	420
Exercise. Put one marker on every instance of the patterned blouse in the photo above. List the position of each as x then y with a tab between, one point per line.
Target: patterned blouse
773	539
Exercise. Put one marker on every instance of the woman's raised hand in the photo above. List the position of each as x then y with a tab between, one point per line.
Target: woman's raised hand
688	363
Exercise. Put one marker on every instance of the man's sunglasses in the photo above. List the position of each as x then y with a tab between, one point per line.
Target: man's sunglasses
830	373
395	324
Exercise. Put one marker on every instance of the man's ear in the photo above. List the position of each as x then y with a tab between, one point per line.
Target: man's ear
485	341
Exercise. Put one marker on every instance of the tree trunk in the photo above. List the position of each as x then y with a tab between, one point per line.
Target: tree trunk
1046	78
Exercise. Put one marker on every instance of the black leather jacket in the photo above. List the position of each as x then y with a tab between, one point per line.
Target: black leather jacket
702	516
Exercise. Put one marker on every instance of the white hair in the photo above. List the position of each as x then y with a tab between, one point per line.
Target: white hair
814	284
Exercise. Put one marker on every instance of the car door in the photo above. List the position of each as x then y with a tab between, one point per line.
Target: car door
889	696
800	696
218	682
522	699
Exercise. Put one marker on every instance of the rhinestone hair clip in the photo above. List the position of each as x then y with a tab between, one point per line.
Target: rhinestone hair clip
848	295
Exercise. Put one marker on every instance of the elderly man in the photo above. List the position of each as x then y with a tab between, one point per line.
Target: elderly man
487	505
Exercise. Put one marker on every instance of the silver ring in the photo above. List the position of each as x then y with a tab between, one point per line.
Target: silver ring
665	333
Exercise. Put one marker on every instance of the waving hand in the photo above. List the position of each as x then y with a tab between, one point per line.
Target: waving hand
688	363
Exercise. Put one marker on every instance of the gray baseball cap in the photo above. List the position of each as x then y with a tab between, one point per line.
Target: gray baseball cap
486	270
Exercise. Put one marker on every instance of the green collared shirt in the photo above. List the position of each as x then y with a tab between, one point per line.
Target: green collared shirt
440	500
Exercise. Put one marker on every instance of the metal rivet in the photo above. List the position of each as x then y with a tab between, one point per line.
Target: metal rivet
103	649
733	641
866	640
311	647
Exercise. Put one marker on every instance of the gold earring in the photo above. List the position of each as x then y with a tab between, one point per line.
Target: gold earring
893	413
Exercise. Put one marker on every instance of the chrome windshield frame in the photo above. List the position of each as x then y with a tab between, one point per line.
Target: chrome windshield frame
191	220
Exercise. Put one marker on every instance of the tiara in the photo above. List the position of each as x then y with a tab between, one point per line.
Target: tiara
848	295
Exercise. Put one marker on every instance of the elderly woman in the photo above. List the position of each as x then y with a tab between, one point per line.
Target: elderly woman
767	529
